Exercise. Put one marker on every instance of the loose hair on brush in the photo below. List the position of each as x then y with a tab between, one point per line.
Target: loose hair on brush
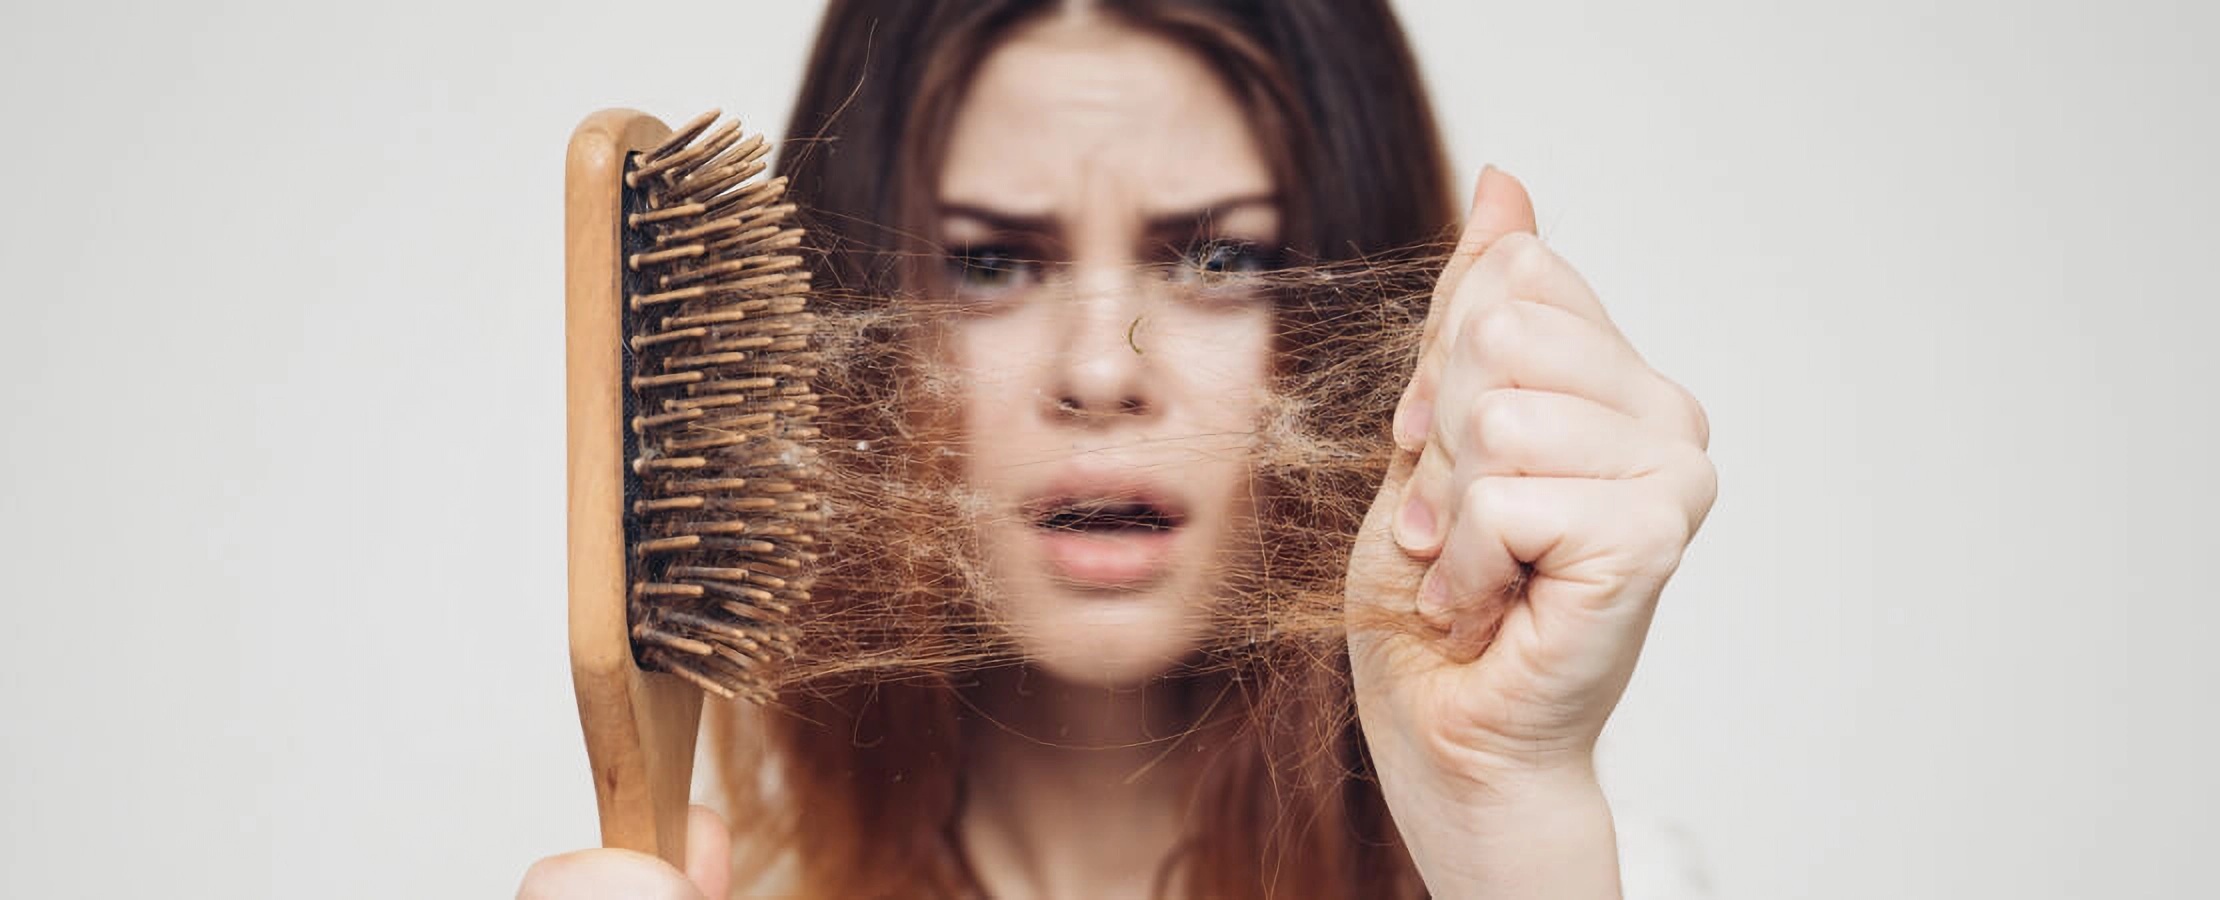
849	784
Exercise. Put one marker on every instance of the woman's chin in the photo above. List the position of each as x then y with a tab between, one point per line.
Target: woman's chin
1102	670
1109	642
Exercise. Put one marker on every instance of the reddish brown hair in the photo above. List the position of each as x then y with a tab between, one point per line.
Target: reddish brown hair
855	776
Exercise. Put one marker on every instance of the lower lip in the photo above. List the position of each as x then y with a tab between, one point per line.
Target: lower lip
1120	559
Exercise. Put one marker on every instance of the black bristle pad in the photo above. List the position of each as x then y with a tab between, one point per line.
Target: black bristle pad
720	491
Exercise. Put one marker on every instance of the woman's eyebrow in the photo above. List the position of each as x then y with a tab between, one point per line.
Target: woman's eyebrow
1190	221
999	220
1185	221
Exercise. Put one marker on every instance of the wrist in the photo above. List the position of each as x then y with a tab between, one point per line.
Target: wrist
1535	783
1484	777
1535	833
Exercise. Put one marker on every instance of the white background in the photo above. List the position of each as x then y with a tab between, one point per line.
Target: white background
281	478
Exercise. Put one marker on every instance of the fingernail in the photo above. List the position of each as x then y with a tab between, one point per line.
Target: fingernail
1414	526
1433	596
1412	420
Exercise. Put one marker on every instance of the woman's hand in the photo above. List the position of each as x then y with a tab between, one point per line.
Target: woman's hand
1548	482
599	873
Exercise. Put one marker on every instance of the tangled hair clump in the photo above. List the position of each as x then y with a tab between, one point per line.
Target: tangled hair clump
899	620
901	576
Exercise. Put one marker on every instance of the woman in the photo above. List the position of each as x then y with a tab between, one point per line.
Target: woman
1085	212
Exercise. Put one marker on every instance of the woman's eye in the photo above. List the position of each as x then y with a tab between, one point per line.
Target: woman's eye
1219	262
988	269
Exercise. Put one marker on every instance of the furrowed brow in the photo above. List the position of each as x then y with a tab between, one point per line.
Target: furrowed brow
1191	221
1174	224
1000	220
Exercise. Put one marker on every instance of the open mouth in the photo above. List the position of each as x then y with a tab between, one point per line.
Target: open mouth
1107	516
1099	533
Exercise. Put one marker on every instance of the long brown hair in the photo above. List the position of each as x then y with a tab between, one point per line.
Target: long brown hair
854	777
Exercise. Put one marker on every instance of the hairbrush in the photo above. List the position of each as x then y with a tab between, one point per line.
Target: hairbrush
693	505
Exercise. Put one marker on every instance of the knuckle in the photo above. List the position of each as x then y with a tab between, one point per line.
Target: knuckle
1500	420
546	878
1704	489
1526	260
1704	471
1697	418
1496	333
1482	496
595	872
1661	533
1691	411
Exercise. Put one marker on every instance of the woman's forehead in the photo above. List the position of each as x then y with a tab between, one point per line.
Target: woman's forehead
1083	110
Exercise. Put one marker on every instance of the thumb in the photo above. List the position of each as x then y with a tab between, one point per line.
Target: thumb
1500	206
708	852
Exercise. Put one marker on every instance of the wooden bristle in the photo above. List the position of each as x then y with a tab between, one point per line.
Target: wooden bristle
719	353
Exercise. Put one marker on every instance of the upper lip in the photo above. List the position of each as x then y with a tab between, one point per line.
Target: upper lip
1079	495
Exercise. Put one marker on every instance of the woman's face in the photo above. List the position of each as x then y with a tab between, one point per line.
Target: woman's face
1102	198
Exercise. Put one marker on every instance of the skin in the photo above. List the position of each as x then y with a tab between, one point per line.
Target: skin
1107	359
1537	445
1090	169
1548	483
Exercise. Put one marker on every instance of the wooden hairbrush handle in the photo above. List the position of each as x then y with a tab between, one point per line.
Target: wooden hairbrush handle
640	726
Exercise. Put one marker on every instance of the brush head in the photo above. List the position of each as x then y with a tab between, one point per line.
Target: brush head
720	486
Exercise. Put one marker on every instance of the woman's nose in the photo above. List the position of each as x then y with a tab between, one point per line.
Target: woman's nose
1101	374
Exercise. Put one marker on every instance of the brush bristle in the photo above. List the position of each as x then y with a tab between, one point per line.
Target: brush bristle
721	495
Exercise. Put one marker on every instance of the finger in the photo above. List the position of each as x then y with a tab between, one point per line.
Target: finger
1423	515
1697	422
1515	344
1475	574
708	851
1500	206
1515	431
1540	434
1585	540
599	873
1521	267
1518	344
